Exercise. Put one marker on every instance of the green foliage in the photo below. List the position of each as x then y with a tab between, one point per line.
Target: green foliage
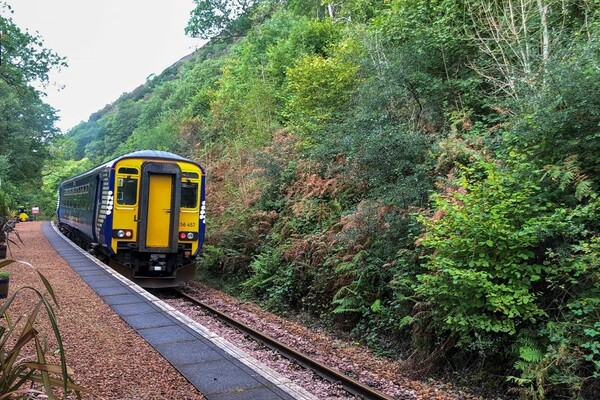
433	25
518	40
569	175
533	366
374	282
573	337
242	105
361	11
7	230
17	365
24	57
26	122
194	90
368	279
561	119
162	136
248	101
381	132
565	358
327	127
88	138
317	88
307	8
4	204
121	124
301	37
264	270
210	18
509	264
484	269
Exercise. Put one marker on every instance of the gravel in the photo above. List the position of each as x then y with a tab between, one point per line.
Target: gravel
350	358
113	362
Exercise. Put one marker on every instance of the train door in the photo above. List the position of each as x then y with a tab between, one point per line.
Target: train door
159	210
159	213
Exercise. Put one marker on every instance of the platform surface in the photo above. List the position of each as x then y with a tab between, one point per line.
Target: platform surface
218	369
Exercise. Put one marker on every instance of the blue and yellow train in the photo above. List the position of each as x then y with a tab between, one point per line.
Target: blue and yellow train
143	213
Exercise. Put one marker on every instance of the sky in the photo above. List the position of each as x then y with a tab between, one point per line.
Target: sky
111	47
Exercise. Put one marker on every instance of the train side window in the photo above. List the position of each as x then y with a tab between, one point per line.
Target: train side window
189	194
127	191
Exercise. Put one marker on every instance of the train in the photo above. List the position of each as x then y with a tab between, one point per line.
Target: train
143	213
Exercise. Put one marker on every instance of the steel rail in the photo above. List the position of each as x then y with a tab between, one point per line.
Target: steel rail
350	385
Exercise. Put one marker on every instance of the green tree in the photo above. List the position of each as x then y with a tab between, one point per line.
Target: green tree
26	122
318	87
210	18
560	121
24	57
517	38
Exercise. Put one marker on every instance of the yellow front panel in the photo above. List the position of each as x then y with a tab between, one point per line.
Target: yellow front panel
125	214
159	211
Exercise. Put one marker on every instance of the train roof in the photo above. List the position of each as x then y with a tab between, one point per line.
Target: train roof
150	154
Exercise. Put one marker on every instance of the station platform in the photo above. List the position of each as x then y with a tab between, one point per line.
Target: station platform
218	369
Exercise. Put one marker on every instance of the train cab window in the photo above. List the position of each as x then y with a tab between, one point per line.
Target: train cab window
127	191
189	194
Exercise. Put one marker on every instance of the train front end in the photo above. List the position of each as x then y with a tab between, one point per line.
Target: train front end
153	217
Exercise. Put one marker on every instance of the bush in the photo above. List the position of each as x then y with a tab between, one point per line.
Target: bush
484	269
509	267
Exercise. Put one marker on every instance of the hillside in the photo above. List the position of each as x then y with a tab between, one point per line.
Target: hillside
420	175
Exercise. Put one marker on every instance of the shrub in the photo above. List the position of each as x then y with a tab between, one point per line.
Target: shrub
512	268
484	269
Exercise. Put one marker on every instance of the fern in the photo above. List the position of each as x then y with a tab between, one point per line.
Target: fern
347	300
533	367
531	353
569	174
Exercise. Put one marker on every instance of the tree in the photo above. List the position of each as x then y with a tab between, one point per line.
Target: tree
26	122
516	38
317	87
213	17
24	57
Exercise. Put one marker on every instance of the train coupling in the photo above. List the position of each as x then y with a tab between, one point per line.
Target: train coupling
158	262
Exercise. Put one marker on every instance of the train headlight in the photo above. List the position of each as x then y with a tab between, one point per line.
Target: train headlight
122	234
188	236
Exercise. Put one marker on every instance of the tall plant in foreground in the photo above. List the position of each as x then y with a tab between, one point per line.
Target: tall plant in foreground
23	374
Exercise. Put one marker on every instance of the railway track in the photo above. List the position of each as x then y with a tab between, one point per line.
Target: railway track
350	385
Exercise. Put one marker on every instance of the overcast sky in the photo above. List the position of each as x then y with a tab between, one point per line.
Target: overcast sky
111	47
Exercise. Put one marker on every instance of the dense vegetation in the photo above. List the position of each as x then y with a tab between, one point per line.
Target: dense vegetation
422	174
26	122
